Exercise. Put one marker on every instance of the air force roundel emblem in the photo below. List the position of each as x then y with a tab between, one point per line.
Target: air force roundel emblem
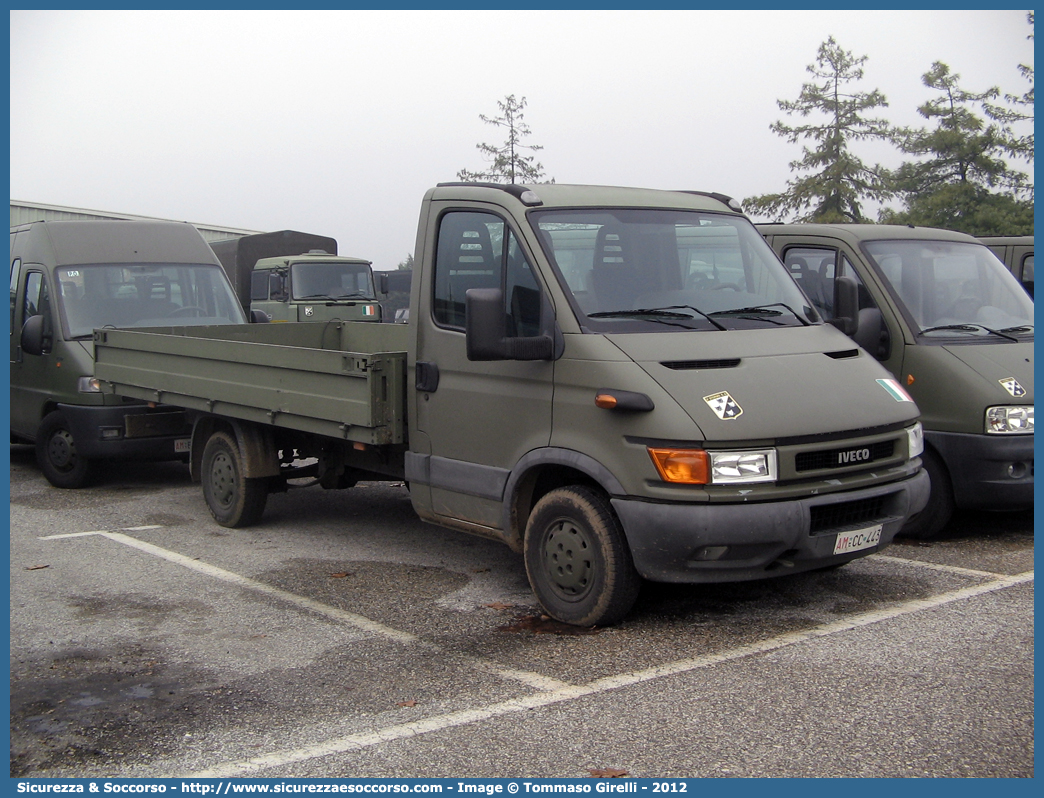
723	405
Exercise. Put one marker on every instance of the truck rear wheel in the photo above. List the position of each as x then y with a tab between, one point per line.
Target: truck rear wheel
57	456
932	520
233	500
577	559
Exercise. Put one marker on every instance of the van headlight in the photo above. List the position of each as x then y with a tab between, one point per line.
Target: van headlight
88	385
1010	420
700	467
915	440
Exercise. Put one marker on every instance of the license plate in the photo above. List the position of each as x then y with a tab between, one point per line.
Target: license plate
182	445
858	539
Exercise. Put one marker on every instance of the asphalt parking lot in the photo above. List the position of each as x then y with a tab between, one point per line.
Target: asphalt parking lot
343	637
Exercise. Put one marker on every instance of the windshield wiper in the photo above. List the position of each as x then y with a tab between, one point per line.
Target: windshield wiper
972	327
664	311
1019	329
762	310
332	298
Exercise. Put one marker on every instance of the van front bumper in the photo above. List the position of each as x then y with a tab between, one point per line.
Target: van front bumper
128	432
672	542
988	472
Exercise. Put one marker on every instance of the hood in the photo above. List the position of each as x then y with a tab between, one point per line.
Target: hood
750	385
999	364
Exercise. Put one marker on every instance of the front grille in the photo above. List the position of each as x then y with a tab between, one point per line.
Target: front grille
837	516
844	457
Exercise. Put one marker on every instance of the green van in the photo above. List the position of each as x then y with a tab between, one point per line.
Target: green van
69	278
954	327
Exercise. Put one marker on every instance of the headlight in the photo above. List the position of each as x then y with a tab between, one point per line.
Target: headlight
1010	420
699	467
729	468
88	385
915	439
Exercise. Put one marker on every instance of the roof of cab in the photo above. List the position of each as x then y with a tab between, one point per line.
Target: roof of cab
865	232
123	241
304	257
559	195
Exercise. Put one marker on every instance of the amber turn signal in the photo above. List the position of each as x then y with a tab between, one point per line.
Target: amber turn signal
687	466
606	401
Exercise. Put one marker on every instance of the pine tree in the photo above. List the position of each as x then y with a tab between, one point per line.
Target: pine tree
963	181
507	162
837	181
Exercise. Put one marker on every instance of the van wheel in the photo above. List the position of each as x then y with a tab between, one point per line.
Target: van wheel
57	456
932	520
577	559
233	500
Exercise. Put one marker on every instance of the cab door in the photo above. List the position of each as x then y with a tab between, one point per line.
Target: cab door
478	418
33	377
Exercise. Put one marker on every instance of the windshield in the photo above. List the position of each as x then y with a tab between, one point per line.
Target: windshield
952	288
644	270
147	295
331	281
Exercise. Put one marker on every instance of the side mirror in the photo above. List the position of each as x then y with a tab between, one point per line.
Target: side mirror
259	317
846	305
485	325
872	334
34	339
382	282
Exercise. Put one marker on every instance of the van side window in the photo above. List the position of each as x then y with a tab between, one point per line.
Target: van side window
1027	273
478	250
816	269
16	268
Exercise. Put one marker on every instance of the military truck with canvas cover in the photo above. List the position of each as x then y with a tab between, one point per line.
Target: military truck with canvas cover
622	384
292	276
954	327
69	278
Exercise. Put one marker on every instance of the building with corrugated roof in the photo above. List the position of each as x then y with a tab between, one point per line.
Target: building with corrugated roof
25	212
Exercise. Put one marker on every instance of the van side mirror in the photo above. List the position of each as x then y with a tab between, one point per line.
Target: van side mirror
846	305
34	339
485	326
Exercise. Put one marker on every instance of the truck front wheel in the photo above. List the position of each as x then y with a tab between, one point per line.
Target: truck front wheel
57	456
577	559
233	500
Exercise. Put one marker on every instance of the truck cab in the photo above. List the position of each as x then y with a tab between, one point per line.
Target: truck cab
951	323
69	278
314	286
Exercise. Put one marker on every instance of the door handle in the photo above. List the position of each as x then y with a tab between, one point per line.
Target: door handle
427	376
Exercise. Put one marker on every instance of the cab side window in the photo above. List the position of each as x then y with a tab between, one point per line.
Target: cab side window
479	250
816	269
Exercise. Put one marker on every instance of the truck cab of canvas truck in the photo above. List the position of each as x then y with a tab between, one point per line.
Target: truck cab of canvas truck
626	383
955	328
70	277
314	286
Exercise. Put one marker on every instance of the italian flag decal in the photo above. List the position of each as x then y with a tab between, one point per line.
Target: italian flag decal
895	390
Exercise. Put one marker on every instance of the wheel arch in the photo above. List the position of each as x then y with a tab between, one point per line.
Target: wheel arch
256	444
541	471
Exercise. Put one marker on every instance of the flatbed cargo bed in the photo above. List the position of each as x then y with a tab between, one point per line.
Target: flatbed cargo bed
340	379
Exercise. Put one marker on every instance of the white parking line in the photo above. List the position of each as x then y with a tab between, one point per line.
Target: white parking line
934	566
534	680
355	742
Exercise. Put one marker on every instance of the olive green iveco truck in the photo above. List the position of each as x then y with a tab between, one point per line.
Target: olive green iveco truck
956	330
291	276
622	384
69	278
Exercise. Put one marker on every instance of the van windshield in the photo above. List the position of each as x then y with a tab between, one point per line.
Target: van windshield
652	270
144	295
951	288
331	281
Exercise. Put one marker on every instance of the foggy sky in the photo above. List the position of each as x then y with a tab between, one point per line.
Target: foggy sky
336	122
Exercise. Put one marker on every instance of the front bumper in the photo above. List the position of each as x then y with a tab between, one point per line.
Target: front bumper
673	542
988	472
130	432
